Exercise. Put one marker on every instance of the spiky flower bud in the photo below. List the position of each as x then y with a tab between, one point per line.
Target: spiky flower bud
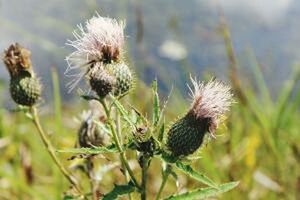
210	102
101	80
124	79
101	40
25	89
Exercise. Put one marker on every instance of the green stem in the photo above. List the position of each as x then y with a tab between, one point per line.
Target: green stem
117	142
145	161
118	124
51	150
164	181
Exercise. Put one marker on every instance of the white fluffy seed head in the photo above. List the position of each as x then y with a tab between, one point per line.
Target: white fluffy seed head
211	100
100	40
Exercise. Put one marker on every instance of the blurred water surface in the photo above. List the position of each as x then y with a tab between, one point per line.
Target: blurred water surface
166	39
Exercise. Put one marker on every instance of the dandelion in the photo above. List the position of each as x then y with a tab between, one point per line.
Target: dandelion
210	102
100	40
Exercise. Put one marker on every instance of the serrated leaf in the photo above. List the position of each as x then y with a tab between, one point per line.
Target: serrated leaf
156	108
161	132
204	193
195	175
96	150
118	191
123	111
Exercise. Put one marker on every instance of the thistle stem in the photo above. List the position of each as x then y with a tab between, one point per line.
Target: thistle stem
118	125
51	150
119	146
164	181
144	166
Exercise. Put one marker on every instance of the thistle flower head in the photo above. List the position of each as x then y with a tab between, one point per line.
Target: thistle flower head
210	101
100	40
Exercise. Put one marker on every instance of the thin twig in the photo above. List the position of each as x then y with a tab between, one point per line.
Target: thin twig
51	150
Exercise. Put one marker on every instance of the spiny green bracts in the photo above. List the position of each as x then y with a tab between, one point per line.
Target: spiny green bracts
101	80
186	135
124	78
25	90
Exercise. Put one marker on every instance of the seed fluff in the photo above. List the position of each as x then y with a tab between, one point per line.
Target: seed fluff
100	40
210	101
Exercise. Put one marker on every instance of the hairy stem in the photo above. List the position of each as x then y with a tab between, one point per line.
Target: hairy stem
117	142
51	150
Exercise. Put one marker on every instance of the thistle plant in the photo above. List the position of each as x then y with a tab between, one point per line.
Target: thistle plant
112	127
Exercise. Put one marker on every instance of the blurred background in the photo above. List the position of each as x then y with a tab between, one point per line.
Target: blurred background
167	40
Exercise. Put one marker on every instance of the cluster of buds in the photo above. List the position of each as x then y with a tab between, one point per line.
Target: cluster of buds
99	57
25	88
210	102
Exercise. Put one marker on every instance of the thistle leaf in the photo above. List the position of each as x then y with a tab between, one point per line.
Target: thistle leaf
156	108
123	111
204	193
161	132
95	150
118	191
196	175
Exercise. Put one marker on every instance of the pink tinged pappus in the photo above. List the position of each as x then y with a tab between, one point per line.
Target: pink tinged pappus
210	102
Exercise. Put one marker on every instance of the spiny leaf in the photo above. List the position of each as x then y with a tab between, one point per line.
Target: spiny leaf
196	175
118	191
161	132
123	111
204	193
95	150
156	108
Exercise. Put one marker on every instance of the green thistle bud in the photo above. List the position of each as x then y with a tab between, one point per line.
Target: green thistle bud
101	81
124	79
186	135
25	90
210	102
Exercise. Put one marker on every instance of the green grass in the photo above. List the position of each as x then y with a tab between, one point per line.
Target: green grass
259	141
